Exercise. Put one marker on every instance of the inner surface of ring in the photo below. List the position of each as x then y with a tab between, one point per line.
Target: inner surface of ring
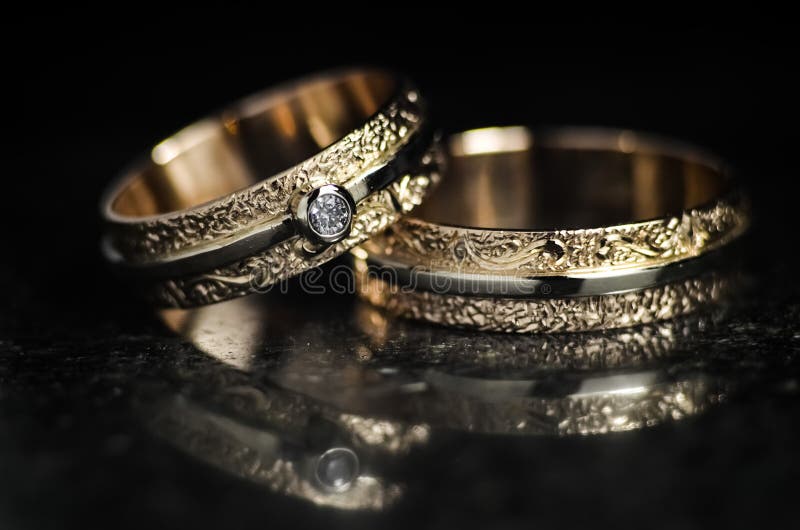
572	178
261	137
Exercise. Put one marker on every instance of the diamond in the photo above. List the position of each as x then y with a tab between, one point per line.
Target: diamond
329	215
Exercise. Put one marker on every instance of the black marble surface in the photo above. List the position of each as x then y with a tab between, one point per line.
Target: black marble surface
113	416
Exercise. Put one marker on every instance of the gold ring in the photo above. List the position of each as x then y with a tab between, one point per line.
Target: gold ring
279	183
638	222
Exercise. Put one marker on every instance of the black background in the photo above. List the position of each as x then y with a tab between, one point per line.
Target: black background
87	95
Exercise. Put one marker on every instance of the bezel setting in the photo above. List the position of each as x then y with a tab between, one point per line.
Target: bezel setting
303	207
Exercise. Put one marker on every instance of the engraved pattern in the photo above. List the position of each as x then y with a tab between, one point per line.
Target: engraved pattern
439	247
375	143
288	258
546	315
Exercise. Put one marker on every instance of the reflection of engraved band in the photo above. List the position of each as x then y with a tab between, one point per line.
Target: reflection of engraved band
591	404
207	220
515	355
272	458
240	416
637	213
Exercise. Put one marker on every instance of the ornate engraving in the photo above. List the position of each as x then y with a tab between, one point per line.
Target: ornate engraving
375	143
439	247
289	258
546	315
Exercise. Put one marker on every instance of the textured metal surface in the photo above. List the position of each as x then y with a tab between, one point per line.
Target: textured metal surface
261	270
536	315
207	255
369	146
643	244
486	222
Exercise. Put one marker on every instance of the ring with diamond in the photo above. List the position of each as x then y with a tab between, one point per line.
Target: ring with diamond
639	224
277	184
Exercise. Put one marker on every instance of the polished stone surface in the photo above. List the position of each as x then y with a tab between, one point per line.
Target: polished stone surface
236	412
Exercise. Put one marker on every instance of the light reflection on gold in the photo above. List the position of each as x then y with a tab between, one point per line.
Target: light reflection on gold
320	131
627	142
188	138
492	140
260	137
570	178
286	122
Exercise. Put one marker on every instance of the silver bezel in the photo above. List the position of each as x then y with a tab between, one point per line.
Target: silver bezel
300	213
322	484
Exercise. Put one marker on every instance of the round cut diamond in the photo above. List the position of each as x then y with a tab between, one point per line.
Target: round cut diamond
328	215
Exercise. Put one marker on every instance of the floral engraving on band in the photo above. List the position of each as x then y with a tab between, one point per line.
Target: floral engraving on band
439	247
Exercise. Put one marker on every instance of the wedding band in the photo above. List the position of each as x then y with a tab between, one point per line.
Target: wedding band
639	221
277	184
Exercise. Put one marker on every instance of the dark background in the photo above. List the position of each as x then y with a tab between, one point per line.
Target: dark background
87	95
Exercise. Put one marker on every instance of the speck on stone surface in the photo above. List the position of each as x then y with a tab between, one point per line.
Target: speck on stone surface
328	215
